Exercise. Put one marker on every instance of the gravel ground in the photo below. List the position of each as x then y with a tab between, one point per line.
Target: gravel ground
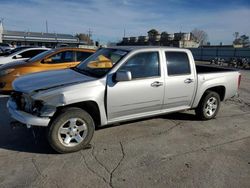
174	150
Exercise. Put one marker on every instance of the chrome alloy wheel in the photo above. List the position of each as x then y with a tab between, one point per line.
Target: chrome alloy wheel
211	106
72	132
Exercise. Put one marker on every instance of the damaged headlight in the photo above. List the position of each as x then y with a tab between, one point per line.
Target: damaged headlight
26	103
33	106
36	107
39	108
30	105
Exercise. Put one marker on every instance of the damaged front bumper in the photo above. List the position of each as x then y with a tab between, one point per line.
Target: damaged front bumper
26	118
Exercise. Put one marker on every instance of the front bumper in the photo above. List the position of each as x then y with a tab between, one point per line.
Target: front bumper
25	117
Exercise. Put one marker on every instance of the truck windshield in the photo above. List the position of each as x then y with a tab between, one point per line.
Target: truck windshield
101	62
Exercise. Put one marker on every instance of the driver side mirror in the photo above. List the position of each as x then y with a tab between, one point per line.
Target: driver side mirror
123	76
47	61
17	56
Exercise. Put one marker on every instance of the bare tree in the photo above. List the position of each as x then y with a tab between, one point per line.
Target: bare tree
164	35
164	38
84	37
153	33
200	36
242	40
236	35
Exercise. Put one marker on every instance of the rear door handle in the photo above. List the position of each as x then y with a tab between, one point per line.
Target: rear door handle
156	84
188	80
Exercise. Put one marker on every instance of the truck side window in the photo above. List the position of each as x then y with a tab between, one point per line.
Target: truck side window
177	63
143	65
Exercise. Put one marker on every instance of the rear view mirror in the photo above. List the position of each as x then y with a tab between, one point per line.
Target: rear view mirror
123	76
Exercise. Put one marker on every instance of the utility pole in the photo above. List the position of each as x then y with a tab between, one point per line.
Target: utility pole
90	32
124	33
47	30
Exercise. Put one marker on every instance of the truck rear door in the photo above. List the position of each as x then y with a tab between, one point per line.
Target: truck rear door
180	80
143	94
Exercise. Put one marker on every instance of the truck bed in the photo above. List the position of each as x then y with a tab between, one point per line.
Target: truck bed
212	69
211	76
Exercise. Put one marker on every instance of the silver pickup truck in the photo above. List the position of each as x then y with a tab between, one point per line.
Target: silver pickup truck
118	84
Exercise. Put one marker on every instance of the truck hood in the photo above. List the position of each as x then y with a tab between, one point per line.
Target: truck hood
48	80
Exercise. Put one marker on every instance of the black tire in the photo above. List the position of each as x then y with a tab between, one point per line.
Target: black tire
55	138
203	107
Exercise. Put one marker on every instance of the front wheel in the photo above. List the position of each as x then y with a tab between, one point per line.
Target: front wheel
71	131
208	106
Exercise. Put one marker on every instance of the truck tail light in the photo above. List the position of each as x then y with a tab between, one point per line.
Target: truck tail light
239	79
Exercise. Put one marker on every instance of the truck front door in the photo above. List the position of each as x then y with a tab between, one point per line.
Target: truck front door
141	95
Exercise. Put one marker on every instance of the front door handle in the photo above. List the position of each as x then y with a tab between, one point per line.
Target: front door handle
188	80
157	84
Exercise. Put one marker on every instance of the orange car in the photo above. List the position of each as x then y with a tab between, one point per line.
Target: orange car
59	58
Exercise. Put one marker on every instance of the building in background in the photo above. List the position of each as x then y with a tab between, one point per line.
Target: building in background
20	38
181	40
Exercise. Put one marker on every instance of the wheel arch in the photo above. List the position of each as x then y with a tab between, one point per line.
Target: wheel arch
89	106
221	90
203	108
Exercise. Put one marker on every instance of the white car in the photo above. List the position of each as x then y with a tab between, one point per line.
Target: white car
22	55
4	47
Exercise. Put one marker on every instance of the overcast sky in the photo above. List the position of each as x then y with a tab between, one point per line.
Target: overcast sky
108	18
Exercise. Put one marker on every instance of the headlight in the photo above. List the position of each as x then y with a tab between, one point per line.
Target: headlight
6	71
36	107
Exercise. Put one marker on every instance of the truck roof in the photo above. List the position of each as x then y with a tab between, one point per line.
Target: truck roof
131	48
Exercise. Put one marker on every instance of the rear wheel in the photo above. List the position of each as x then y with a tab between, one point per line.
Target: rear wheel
208	106
71	131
